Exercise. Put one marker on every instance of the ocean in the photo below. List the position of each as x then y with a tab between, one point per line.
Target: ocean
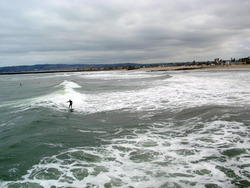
137	128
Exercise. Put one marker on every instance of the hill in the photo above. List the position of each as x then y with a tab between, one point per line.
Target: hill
63	67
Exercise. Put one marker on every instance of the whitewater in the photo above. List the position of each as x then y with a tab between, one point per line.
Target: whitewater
160	129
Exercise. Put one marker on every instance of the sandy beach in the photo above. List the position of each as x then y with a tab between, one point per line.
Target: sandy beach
196	67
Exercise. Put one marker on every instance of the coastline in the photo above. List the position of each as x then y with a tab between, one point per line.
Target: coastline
215	67
42	72
159	68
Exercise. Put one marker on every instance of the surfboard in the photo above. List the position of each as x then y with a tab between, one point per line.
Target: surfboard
71	110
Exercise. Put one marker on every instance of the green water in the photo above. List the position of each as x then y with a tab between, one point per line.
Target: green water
128	129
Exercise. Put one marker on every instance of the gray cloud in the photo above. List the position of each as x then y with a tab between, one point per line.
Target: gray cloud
116	31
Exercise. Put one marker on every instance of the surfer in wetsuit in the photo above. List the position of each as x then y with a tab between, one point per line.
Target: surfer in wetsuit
70	103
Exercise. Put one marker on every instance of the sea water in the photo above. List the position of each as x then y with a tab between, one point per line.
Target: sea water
128	129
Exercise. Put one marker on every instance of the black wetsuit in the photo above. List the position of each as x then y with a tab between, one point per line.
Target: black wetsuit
70	103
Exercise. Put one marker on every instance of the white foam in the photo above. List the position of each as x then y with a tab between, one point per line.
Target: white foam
58	98
175	93
69	85
150	157
179	92
91	131
161	154
51	145
117	75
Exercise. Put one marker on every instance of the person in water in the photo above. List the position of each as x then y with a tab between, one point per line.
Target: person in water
70	103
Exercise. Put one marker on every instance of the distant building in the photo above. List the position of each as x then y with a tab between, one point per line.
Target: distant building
217	60
245	60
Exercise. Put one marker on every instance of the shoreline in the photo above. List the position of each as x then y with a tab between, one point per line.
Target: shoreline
168	68
43	72
214	67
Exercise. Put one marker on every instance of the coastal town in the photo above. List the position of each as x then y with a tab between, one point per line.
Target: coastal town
47	68
177	66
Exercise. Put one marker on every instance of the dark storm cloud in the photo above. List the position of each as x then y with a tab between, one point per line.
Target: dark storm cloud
115	31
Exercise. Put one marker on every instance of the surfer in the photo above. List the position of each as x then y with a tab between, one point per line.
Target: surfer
70	103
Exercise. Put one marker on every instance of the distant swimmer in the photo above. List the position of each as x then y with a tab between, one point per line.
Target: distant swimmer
70	103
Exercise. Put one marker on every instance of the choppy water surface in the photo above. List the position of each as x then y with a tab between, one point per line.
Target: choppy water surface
128	129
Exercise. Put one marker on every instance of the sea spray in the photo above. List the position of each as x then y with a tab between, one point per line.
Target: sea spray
129	129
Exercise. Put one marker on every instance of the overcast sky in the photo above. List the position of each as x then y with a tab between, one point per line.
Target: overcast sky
120	31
